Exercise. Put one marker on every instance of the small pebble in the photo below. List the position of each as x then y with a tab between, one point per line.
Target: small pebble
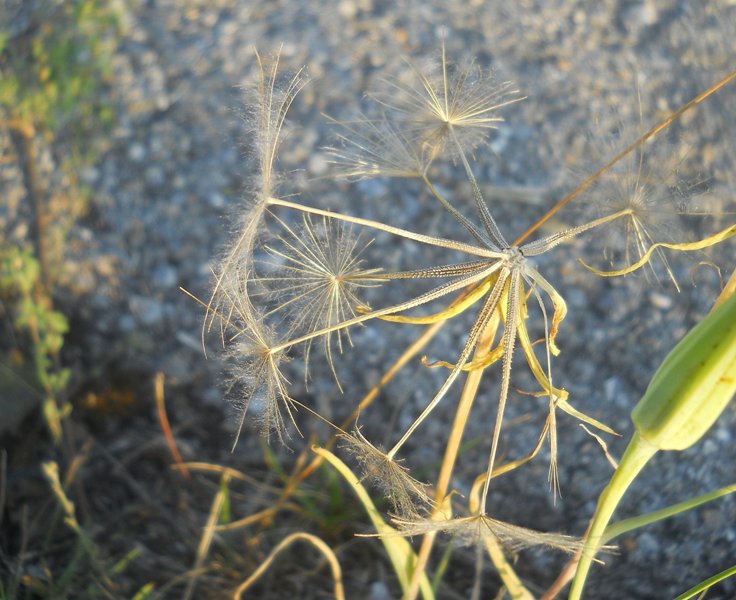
661	301
147	310
317	164
379	591
165	276
136	152
216	200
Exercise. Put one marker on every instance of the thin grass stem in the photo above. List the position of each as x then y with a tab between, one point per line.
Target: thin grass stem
326	551
661	126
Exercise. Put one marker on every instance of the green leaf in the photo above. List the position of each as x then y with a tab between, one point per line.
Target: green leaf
145	592
693	385
626	525
56	322
708	583
225	515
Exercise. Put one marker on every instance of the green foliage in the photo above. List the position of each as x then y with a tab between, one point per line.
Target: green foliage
693	385
704	586
52	73
145	592
5	593
84	559
20	276
225	511
330	510
33	314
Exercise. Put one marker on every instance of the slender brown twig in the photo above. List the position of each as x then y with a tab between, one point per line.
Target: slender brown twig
661	126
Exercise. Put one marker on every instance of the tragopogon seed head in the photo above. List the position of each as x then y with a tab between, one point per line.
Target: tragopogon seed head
267	119
268	104
317	279
650	191
447	97
377	148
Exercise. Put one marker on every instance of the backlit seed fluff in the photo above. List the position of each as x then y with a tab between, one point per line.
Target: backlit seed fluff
446	107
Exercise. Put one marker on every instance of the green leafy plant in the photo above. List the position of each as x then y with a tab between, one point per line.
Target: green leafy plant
687	394
52	74
20	286
310	289
52	77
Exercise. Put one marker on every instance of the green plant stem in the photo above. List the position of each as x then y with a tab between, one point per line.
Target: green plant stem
626	525
50	405
637	454
38	294
26	131
35	193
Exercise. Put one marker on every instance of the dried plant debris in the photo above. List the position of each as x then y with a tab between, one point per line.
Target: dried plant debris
477	529
408	497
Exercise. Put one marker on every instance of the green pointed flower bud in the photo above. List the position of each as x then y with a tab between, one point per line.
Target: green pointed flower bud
693	385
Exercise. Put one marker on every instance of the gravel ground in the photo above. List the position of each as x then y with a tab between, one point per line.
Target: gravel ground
167	194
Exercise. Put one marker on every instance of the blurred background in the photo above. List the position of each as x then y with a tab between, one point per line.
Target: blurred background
124	170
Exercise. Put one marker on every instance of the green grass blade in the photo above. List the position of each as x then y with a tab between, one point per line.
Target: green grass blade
626	525
399	551
145	592
708	583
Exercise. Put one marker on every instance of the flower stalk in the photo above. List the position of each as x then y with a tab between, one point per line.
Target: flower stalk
687	394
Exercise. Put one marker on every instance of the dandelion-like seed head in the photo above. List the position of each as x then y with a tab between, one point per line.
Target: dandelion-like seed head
445	98
514	258
317	282
376	148
407	496
642	194
266	121
649	192
652	208
263	388
316	276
